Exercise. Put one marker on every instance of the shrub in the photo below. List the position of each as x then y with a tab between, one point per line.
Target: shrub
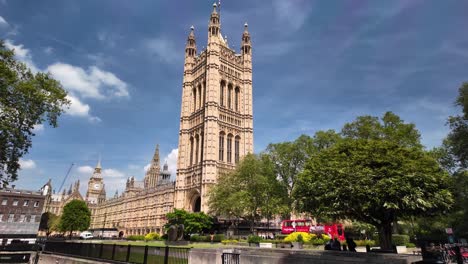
152	236
299	238
198	238
254	239
229	241
400	240
217	238
410	245
305	237
317	241
164	237
363	243
325	238
135	237
280	237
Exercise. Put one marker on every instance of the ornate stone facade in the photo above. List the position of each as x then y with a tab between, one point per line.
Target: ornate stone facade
216	124
216	131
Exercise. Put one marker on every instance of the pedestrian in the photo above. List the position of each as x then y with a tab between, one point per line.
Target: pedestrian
351	244
336	245
212	238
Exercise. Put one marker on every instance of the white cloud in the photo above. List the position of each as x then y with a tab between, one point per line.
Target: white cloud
171	160
3	22
164	49
22	54
146	168
48	50
38	128
292	13
112	173
85	169
27	164
93	83
78	108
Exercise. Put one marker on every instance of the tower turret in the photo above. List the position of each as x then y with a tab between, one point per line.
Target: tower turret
214	25
151	177
191	46
246	45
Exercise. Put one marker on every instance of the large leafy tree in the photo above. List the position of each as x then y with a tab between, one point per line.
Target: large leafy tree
75	217
250	192
49	223
193	222
378	172
26	100
288	160
457	140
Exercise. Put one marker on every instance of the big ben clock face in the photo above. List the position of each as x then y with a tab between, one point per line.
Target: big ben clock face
96	186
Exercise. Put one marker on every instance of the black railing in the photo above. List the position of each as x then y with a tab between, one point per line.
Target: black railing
230	258
121	253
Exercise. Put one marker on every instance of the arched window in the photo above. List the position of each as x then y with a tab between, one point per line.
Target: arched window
194	92
191	151
199	96
197	139
221	146
221	93
236	99
236	149
229	96
229	148
201	147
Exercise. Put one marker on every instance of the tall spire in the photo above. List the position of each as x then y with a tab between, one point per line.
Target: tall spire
214	25
191	46
97	170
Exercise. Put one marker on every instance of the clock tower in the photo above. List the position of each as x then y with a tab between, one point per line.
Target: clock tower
96	193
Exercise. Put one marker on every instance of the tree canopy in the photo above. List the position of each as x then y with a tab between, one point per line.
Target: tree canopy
26	100
49	222
194	223
457	139
249	192
75	217
377	173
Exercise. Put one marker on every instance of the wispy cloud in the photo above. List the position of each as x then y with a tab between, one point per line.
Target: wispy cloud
3	22
78	108
27	164
93	83
22	54
292	13
163	49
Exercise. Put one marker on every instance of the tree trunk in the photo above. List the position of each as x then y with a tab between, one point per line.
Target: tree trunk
385	235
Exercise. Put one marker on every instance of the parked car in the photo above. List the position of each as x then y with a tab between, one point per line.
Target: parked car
86	235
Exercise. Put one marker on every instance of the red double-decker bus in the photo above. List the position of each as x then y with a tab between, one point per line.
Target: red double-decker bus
302	225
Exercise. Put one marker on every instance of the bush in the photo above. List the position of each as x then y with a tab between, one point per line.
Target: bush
325	238
229	241
363	243
294	236
152	236
317	241
198	238
135	237
280	237
217	238
254	239
400	240
410	245
164	237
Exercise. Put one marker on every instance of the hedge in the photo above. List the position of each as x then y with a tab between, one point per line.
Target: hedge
135	237
400	240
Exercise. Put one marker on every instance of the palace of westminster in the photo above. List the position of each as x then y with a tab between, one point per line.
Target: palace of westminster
216	131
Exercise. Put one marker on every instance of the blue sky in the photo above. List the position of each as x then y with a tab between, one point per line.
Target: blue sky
316	66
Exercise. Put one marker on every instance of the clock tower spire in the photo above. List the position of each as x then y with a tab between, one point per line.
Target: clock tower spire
96	192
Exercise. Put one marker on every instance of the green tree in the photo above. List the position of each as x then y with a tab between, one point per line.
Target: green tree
26	100
75	217
193	222
248	192
48	223
457	139
376	174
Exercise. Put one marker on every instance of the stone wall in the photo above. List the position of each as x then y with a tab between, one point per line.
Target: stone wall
284	256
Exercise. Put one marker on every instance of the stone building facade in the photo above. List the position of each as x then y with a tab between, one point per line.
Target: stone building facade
216	123
216	131
20	212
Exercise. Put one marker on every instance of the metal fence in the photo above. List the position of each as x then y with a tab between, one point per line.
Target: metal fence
230	258
122	253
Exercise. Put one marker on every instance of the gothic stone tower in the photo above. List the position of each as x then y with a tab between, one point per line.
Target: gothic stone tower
96	193
216	124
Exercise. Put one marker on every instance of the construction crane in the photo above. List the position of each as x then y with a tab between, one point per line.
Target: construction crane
65	178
